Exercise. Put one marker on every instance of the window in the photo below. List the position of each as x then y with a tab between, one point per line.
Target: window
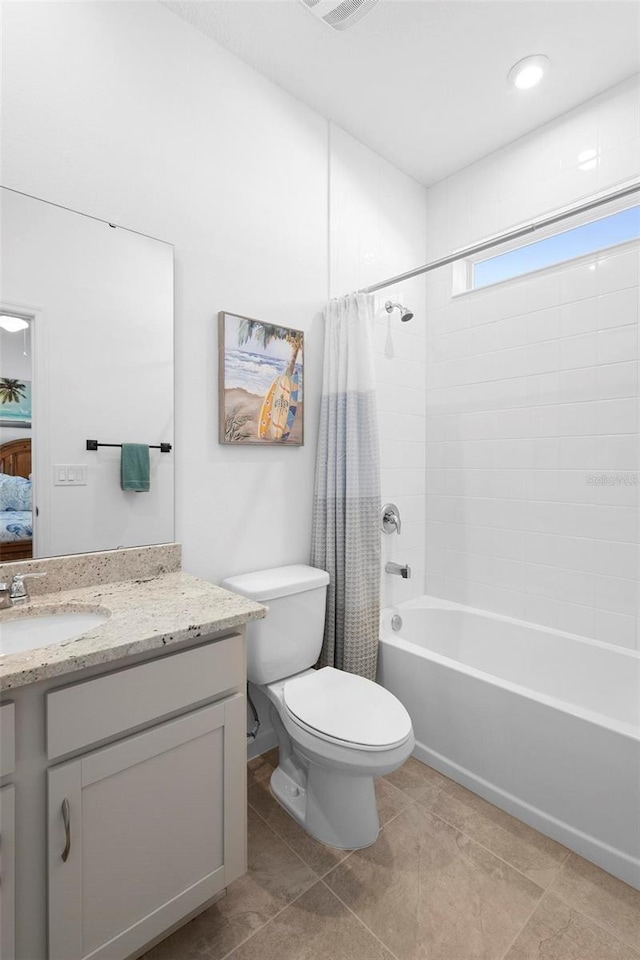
578	242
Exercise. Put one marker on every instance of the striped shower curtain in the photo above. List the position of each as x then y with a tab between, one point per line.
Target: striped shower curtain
346	515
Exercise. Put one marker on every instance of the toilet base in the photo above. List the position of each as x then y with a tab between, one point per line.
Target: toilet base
336	808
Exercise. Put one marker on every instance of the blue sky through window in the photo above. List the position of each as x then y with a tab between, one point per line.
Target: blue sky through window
590	237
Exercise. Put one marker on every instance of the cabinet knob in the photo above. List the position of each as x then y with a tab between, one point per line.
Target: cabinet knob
66	819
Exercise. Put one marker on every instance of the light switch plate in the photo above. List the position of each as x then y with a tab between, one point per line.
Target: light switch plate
69	475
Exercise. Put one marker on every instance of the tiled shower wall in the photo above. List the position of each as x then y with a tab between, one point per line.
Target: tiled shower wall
532	394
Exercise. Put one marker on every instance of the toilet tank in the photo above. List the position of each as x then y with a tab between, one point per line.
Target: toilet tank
289	639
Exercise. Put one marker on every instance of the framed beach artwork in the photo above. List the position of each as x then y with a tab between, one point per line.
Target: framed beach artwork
15	402
260	382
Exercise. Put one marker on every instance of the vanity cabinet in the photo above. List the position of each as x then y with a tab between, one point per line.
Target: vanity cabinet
122	766
144	832
7	871
146	799
7	833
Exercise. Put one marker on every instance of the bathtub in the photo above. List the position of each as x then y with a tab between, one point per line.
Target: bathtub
544	724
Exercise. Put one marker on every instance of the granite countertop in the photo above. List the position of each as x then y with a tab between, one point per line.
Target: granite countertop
143	615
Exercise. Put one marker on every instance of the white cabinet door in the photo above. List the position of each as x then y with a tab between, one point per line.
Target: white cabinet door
7	872
144	832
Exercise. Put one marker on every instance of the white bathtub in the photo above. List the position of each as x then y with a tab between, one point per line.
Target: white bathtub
542	723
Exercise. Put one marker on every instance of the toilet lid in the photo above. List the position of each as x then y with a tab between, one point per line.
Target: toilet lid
346	707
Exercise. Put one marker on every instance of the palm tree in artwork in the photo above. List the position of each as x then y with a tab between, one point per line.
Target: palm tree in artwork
277	402
12	391
264	333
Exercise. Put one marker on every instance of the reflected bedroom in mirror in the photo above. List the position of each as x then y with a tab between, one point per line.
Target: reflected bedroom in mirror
86	383
16	502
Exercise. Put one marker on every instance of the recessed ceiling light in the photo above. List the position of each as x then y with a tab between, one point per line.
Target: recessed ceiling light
12	324
528	73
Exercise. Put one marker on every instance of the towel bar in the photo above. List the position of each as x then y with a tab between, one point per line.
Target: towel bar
163	447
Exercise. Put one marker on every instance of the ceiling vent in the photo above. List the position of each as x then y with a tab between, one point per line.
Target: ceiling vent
339	14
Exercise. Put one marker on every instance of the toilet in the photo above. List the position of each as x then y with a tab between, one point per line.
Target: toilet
336	731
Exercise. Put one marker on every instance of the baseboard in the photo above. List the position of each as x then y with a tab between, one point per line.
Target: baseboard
263	742
614	861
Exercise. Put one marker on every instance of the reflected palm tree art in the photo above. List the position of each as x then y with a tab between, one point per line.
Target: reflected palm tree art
12	391
15	402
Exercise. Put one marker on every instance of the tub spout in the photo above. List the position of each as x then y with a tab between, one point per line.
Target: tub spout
399	570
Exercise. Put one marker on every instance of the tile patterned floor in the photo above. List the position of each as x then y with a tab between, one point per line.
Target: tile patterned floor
451	877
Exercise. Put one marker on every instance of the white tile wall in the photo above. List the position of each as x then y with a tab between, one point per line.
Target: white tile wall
378	229
532	391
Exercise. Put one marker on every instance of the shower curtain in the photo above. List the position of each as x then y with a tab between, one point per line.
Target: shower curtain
346	515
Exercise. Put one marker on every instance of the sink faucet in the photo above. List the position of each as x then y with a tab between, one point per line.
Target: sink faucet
399	570
18	592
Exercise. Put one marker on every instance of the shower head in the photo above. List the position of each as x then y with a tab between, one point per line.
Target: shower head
405	313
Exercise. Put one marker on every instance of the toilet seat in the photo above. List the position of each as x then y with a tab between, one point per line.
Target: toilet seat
346	709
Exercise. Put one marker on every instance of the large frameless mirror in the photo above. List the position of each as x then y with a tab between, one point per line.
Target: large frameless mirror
86	365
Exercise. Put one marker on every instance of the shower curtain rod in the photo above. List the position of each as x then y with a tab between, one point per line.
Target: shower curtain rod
523	231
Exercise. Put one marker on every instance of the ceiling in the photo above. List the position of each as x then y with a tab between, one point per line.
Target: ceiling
423	82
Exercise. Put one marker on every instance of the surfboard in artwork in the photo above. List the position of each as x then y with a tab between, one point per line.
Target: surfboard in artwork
293	406
264	422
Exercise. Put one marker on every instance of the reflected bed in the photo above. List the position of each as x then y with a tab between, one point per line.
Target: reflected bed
16	518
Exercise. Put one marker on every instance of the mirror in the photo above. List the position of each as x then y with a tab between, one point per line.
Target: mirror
86	354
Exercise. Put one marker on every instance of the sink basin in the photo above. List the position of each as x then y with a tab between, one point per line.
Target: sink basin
28	633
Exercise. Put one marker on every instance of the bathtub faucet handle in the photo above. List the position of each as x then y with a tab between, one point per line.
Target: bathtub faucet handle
391	522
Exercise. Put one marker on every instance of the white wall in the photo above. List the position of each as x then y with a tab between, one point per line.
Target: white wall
150	124
378	229
184	142
533	388
540	172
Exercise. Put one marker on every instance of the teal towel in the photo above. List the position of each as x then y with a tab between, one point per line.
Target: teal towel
134	467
